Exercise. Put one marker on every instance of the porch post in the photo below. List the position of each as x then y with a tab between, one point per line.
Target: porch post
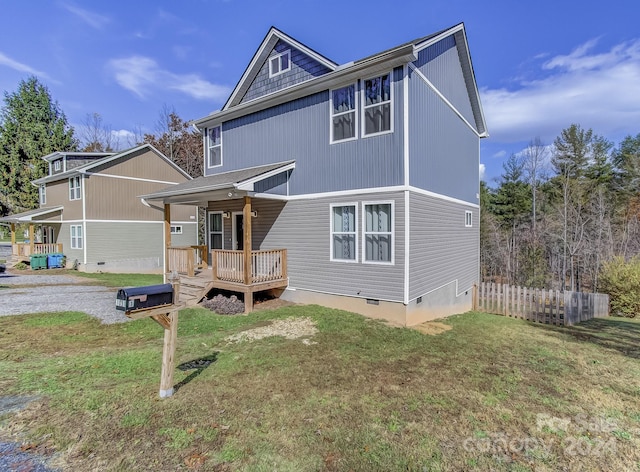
248	295
31	237
14	249
167	237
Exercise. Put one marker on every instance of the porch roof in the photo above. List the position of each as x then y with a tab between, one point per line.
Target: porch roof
215	187
27	216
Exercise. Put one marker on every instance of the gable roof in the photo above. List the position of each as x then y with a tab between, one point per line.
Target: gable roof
242	179
380	62
58	154
261	55
111	158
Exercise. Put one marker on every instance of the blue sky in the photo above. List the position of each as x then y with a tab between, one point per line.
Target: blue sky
540	66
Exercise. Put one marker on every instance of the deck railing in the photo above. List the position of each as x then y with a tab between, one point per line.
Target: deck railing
24	249
186	259
266	266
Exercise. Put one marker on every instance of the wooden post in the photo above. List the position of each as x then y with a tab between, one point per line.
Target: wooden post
167	238
13	234
248	295
169	349
31	237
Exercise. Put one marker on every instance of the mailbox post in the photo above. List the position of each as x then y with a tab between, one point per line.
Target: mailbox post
155	302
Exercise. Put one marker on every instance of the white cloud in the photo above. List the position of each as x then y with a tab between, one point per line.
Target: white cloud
95	20
142	76
595	90
482	171
20	67
500	154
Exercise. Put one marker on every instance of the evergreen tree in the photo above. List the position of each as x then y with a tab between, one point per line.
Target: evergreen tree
32	125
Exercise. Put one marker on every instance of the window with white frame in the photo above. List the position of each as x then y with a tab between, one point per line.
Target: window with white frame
42	192
76	236
376	105
176	229
57	164
378	232
344	233
215	231
468	221
214	146
74	188
343	113
279	63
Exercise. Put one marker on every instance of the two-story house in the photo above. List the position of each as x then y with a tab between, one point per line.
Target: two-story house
90	211
352	186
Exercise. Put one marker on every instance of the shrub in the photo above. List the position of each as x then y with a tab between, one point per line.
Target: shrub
21	266
224	305
621	280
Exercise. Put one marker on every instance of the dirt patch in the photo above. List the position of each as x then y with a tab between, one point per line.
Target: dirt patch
432	328
290	328
271	304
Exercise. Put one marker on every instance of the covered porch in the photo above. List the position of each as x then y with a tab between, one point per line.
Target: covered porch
241	268
41	234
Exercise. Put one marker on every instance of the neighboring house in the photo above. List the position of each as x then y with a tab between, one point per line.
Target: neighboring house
90	211
352	186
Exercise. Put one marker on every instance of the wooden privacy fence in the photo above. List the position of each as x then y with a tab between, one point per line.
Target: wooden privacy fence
543	306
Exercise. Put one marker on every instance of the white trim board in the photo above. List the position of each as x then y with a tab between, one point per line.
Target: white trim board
98	174
443	98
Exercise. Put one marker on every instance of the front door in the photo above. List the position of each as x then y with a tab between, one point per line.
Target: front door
238	231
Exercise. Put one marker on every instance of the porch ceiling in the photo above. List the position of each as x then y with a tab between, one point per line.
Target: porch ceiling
27	216
223	186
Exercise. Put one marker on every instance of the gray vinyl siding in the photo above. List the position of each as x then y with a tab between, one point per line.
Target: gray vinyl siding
442	249
116	241
303	68
189	234
440	63
299	130
64	238
303	228
443	150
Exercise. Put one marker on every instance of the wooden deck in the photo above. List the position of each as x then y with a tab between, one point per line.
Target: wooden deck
21	252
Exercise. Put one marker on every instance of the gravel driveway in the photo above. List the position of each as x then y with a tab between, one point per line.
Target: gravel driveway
51	293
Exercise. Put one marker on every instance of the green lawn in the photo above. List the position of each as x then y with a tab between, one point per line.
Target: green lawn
492	393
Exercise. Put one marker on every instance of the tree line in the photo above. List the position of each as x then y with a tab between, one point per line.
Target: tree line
32	125
562	214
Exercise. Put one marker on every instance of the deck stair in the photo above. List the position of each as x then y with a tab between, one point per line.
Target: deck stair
194	289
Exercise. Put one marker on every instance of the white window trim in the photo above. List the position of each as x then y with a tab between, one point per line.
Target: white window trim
365	232
468	219
208	149
56	165
79	240
209	232
355	111
76	191
278	56
42	194
331	232
364	107
176	229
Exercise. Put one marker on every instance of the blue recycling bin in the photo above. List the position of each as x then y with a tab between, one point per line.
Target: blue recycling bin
54	261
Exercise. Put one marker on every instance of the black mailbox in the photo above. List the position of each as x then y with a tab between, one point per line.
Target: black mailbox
137	298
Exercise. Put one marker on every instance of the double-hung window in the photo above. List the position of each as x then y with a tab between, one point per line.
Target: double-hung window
377	105
177	229
42	192
343	113
76	236
74	188
279	63
57	165
344	233
214	146
378	232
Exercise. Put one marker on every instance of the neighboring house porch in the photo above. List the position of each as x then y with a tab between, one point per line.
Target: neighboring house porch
42	234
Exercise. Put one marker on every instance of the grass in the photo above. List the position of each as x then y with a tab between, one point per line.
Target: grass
492	393
121	280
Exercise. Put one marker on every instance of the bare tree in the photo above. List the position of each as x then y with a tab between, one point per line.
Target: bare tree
96	136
